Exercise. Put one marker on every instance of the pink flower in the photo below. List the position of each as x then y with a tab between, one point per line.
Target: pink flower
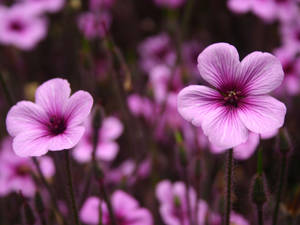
266	9
156	50
52	123
126	209
94	25
107	148
46	5
291	66
173	204
290	34
239	103
20	26
238	219
141	106
170	3
15	172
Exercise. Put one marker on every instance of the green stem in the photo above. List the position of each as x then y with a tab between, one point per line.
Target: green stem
70	187
229	186
260	215
280	187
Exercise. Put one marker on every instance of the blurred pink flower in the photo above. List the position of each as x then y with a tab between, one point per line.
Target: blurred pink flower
239	103
94	25
16	172
170	3
52	123
21	26
156	50
46	5
126	208
290	34
141	106
238	219
291	66
266	9
100	4
173	204
107	147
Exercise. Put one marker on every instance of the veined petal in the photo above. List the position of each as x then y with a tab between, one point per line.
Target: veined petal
31	143
78	108
196	101
218	64
262	114
245	150
260	73
66	140
224	128
24	116
53	95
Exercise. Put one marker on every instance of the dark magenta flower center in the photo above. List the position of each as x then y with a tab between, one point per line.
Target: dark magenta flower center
16	25
57	125
22	170
288	68
232	98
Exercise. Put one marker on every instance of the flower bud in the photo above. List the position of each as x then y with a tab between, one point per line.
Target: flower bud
258	192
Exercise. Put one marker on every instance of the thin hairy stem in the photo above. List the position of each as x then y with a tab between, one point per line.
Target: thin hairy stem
229	186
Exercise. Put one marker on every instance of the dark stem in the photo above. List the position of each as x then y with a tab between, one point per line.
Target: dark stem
260	214
229	186
70	187
59	216
187	196
108	203
6	91
280	187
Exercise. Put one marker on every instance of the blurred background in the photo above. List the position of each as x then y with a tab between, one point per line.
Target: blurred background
134	56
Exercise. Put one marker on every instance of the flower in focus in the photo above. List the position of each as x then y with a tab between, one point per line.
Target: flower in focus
126	208
46	5
170	3
173	204
239	103
107	148
21	26
156	50
16	172
94	25
267	9
52	123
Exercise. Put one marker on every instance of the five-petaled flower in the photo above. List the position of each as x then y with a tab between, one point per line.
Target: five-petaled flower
239	103
53	122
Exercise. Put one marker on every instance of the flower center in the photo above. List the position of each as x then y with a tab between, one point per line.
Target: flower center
57	125
22	170
232	98
16	26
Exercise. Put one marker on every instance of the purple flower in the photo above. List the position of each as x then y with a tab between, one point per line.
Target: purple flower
52	123
173	204
94	25
290	34
238	219
16	172
126	209
266	9
46	5
107	148
291	66
239	103
20	26
156	50
170	3
141	106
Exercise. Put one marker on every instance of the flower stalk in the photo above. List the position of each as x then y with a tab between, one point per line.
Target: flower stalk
229	185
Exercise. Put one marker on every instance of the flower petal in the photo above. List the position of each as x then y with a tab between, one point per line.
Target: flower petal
262	114
218	64
164	192
121	198
224	128
31	143
260	73
83	151
107	151
111	129
53	95
25	115
78	108
245	150
195	101
66	140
